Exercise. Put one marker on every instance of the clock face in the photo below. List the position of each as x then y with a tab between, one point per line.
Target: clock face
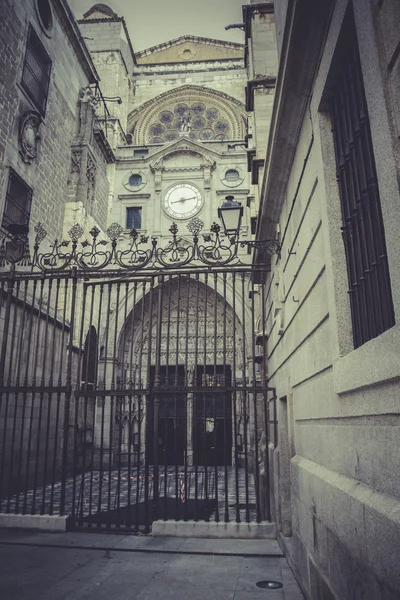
182	201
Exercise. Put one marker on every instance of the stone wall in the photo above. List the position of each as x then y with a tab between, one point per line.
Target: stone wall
48	174
336	471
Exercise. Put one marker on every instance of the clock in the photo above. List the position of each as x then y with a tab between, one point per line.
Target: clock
182	201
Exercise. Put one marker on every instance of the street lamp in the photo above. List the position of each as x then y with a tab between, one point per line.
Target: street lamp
231	214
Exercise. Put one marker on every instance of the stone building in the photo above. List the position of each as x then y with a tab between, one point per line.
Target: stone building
300	124
330	189
54	156
155	144
179	132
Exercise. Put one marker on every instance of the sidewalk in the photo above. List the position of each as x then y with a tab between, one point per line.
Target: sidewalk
80	566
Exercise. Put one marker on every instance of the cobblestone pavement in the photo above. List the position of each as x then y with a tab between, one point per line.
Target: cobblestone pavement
97	491
80	566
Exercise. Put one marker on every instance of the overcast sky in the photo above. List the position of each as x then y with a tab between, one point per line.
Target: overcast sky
152	22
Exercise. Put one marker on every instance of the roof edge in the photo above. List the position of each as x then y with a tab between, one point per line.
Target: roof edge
191	38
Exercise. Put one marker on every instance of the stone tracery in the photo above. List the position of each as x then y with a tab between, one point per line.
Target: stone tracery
199	113
181	330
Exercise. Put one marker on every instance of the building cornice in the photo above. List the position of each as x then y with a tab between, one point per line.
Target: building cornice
189	38
104	146
305	30
264	81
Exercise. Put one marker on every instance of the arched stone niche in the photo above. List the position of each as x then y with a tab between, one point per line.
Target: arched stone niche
190	312
199	113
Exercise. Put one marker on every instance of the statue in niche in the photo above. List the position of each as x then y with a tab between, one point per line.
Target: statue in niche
186	124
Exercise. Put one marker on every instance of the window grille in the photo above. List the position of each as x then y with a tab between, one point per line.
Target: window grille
134	218
36	71
362	223
18	205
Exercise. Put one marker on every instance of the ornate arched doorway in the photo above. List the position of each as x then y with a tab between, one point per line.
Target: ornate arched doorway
183	341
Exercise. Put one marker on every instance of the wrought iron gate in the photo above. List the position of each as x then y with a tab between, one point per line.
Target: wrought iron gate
133	395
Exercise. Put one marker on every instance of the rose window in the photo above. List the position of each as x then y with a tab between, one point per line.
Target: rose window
196	120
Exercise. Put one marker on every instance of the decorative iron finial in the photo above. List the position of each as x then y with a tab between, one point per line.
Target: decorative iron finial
40	233
195	226
76	232
114	231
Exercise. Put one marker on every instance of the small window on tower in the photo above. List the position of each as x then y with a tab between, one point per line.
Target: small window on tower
36	72
232	175
17	209
134	218
135	180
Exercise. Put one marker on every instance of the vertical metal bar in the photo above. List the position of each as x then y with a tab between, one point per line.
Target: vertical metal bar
133	385
12	343
103	405
59	383
255	407
186	384
26	382
245	392
10	288
156	396
112	401
168	382
16	395
49	398
234	401
34	377
68	385
87	350
122	403
205	400
215	397
149	395
195	399
96	401
19	370
265	398
225	407
4	345
144	407
176	383
76	404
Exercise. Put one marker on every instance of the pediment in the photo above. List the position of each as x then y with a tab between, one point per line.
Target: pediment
191	48
183	154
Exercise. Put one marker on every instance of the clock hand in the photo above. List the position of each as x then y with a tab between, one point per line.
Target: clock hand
183	200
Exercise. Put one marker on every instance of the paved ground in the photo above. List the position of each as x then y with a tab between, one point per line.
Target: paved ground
79	566
95	491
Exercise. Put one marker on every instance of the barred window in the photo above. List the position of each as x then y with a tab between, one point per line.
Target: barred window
17	208
134	218
36	71
362	223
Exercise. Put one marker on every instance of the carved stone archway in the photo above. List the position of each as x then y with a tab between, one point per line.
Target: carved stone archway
203	114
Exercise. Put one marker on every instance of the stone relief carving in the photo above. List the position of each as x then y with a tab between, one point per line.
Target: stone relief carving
76	156
29	135
91	179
